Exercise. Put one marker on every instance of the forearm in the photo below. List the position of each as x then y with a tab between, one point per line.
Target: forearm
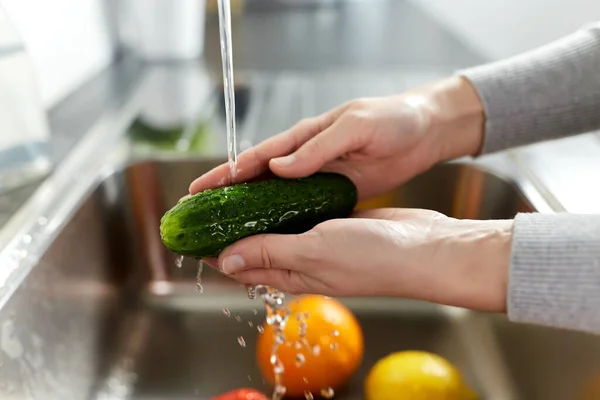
554	274
547	93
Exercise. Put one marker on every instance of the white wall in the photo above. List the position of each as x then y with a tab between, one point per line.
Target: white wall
501	28
68	40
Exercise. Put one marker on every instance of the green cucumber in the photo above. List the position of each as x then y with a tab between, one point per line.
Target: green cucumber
204	224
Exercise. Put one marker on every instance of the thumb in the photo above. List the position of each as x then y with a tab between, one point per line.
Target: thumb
309	158
270	251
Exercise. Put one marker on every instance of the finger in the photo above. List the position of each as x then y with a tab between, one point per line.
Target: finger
211	262
310	157
283	280
277	252
255	161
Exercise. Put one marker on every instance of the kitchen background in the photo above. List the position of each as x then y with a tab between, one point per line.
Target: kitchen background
72	40
69	245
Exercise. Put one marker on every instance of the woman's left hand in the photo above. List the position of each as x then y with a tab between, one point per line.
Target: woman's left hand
408	253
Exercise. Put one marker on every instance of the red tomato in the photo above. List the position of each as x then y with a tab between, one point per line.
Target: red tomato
241	394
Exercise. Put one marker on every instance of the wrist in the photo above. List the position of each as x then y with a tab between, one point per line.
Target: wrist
457	120
477	256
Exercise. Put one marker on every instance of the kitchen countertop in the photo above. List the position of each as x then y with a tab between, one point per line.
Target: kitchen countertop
318	59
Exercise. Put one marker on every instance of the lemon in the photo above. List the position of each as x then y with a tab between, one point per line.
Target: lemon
416	375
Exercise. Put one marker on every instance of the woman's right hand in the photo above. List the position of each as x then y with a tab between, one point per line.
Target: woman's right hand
377	142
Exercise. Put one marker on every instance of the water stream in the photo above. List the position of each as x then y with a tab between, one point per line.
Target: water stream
276	312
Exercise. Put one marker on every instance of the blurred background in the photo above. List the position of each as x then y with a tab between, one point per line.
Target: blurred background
72	40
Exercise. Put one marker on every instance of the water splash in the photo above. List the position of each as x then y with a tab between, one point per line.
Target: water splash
199	286
327	393
251	292
179	261
276	316
300	360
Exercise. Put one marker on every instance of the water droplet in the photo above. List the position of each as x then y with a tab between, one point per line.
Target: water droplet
273	359
238	318
179	261
279	391
255	311
278	369
199	277
250	324
300	360
316	350
308	395
327	393
27	239
260	329
305	379
298	345
42	221
251	292
336	333
249	378
333	346
241	341
226	312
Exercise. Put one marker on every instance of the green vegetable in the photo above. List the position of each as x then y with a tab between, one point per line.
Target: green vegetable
177	138
204	224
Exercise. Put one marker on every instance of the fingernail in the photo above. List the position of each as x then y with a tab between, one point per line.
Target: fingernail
232	264
285	161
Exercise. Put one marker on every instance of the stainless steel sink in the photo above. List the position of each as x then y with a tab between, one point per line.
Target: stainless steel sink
106	314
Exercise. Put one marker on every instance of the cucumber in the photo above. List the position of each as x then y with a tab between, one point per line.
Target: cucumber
204	224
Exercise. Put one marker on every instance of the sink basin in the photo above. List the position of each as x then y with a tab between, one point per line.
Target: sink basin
106	314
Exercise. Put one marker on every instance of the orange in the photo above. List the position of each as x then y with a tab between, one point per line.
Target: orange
331	354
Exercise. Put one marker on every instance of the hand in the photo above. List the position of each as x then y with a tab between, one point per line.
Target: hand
409	253
378	143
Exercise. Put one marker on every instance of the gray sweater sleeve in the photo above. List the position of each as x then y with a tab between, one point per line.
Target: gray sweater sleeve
555	271
551	92
547	93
